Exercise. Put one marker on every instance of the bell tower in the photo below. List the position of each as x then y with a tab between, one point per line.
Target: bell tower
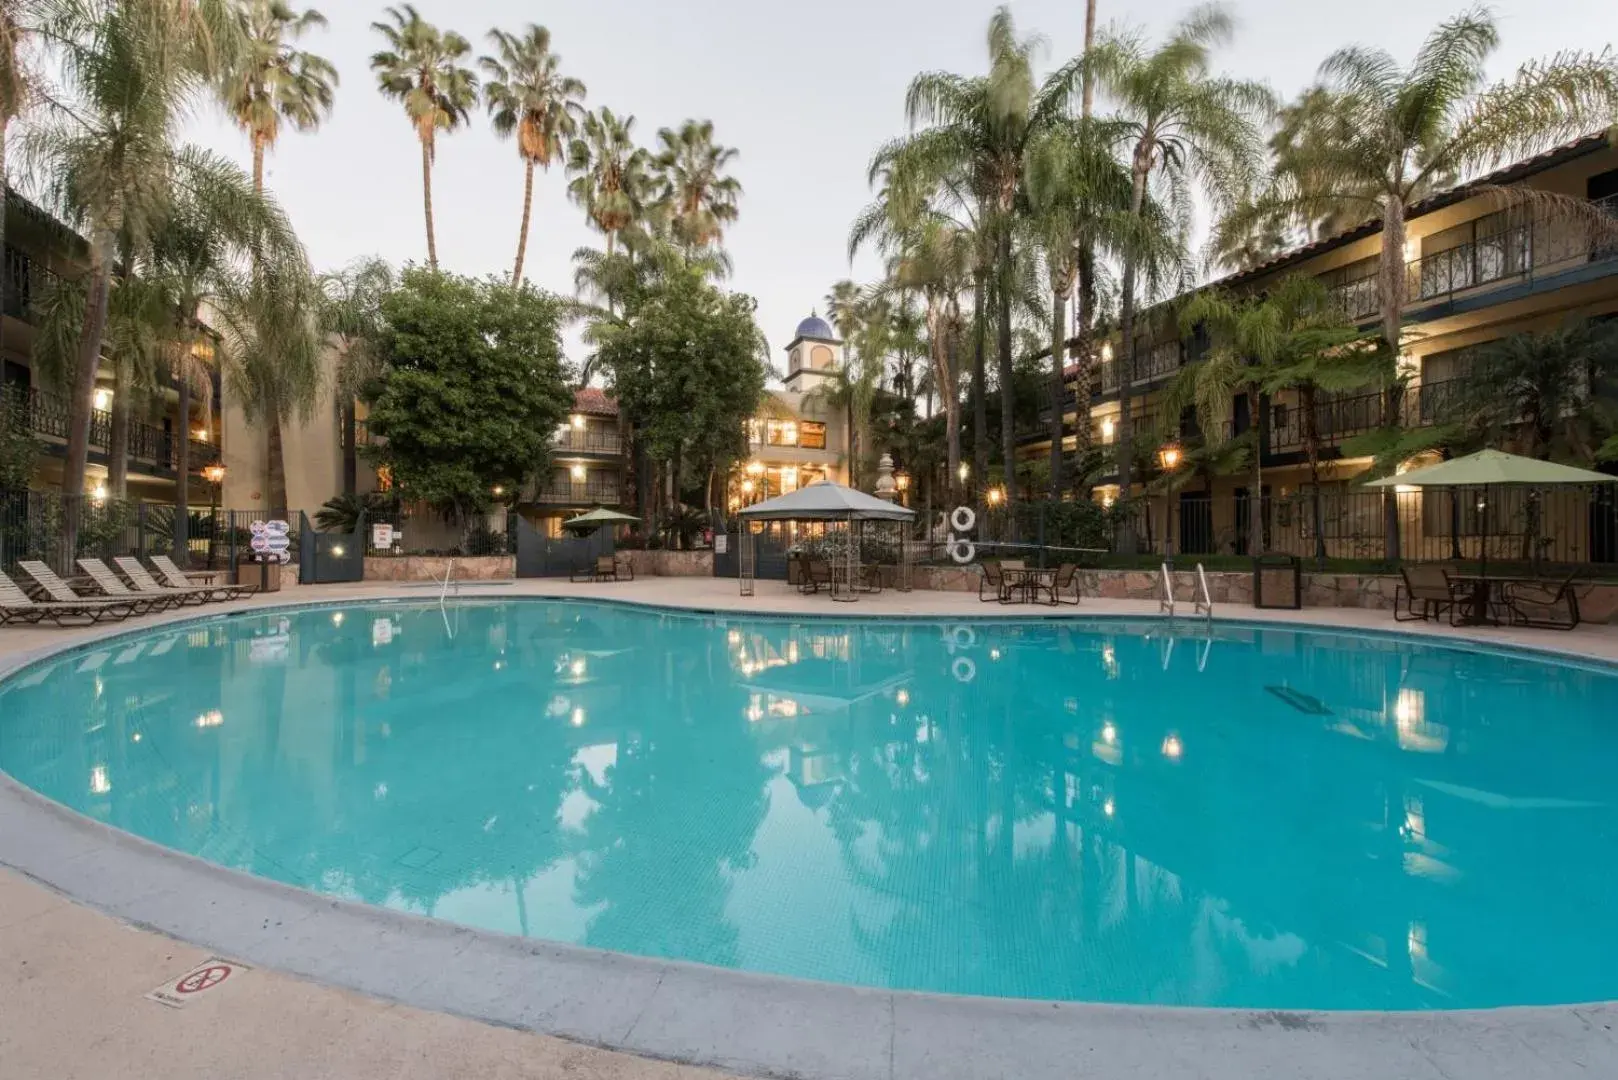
813	356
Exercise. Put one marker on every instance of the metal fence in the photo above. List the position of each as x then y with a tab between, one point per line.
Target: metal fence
36	525
1573	526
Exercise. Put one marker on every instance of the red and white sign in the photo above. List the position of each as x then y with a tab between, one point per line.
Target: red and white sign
211	974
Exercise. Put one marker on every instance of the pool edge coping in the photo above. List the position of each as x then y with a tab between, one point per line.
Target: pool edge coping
748	1021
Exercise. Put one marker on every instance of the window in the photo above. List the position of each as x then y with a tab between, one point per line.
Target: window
797	360
820	357
812	436
781	432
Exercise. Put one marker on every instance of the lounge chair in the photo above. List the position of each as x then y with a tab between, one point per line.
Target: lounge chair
992	576
1546	605
61	592
1066	580
175	578
112	585
144	582
18	606
1431	588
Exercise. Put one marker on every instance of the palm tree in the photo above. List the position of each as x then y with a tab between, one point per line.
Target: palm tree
974	138
700	198
1078	198
528	96
1553	393
611	175
1256	343
272	81
421	69
113	164
1186	126
1386	136
351	316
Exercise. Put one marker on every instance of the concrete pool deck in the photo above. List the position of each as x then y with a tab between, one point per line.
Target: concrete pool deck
91	919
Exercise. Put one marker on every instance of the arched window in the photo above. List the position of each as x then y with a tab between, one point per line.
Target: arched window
820	357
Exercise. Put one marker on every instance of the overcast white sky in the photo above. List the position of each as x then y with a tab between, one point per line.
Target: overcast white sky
804	90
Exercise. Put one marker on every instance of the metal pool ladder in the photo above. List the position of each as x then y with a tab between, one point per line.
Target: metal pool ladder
1165	605
1204	597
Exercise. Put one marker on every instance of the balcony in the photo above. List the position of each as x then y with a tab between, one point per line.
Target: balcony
1159	362
589	441
1519	254
46	415
582	493
23	284
1340	420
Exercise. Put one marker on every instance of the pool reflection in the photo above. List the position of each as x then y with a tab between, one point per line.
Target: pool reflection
1255	818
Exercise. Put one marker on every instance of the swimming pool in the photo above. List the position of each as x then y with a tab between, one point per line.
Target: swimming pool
1082	810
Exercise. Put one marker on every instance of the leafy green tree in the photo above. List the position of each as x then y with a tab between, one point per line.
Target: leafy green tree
688	367
473	389
272	81
699	198
1186	127
421	69
528	96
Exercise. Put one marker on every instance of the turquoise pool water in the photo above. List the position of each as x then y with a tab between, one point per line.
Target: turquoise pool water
1077	810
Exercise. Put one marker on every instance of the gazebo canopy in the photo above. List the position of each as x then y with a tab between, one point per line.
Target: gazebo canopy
1488	467
826	501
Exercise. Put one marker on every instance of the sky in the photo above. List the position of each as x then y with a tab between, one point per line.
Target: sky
805	91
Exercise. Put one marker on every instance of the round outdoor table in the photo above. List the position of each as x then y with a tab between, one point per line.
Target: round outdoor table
1028	582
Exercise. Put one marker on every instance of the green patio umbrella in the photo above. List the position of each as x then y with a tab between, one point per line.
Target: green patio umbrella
1488	469
599	517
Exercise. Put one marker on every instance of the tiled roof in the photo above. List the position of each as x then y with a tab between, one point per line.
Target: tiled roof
594	401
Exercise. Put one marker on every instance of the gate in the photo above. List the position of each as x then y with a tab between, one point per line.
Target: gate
770	551
539	555
328	558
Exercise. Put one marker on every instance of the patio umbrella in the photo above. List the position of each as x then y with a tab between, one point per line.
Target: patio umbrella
599	517
1488	469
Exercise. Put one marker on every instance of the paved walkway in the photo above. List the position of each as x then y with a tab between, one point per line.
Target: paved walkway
73	981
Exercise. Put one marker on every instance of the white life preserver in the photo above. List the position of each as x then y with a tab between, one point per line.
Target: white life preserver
963	669
962	550
962	519
963	637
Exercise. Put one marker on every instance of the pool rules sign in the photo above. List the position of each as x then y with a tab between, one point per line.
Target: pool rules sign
207	976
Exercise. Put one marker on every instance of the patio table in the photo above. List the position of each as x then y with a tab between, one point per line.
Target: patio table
1027	582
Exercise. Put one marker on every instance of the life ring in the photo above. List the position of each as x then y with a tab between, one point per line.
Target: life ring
963	637
962	519
963	669
962	550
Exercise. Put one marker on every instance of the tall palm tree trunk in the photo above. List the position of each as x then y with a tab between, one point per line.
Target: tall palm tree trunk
1391	283
81	404
980	403
181	540
1255	501
1311	448
258	164
1058	386
1008	434
527	210
278	469
1085	361
1088	100
118	435
427	202
1126	369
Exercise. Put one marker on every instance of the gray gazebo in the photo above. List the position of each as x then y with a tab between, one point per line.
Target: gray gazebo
824	502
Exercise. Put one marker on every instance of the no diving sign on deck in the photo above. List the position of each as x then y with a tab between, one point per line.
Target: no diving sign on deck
211	974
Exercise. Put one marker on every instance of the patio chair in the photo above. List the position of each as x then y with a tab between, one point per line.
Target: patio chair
62	593
871	577
1431	587
144	582
175	578
18	606
601	569
1544	605
816	572
992	576
112	585
1066	580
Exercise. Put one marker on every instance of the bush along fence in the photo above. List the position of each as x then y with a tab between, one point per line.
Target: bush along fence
1562	527
59	530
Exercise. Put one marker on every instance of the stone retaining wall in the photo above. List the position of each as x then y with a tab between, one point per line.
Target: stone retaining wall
670	563
433	567
1597	603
